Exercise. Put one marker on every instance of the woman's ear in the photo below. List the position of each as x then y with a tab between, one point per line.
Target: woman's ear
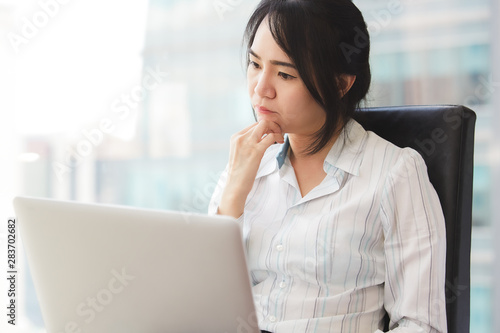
345	83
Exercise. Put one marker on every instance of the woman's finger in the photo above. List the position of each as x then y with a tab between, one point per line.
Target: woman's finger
271	138
265	127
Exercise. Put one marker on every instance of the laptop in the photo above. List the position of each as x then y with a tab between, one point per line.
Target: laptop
105	268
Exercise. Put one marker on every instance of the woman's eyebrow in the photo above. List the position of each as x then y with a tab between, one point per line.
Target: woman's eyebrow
274	62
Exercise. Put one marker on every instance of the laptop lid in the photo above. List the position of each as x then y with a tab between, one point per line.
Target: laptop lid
102	268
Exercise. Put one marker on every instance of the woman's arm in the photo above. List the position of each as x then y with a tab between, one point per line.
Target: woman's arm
246	151
415	249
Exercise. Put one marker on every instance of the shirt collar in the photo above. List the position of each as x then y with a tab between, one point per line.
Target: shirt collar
345	153
281	156
273	159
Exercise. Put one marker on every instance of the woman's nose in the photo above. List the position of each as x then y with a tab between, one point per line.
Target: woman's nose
264	86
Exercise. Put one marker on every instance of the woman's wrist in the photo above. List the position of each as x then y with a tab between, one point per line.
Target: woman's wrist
232	204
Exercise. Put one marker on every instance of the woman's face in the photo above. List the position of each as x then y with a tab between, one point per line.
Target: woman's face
276	90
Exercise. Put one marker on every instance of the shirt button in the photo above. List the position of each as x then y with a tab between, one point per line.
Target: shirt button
272	319
282	284
279	248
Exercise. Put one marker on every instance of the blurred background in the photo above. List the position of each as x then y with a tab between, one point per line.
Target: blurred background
134	102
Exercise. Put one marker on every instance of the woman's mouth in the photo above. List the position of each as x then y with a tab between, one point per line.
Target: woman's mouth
263	110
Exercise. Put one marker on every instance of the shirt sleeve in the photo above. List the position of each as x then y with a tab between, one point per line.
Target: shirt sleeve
415	249
213	206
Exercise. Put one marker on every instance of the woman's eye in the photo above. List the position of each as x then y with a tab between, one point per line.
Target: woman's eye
253	64
285	76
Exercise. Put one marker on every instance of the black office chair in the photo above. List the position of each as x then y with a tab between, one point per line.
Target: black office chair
444	136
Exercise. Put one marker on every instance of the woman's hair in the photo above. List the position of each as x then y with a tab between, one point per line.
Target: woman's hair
324	39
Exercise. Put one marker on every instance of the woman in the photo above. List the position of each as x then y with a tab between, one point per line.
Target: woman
340	226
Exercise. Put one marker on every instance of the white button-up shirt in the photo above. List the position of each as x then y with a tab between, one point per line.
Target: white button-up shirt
370	238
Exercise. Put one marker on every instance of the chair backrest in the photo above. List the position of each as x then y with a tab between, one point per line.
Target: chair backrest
444	136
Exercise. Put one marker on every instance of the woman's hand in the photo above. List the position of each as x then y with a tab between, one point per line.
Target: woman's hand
246	151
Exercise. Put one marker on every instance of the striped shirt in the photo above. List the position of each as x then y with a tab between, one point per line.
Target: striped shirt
369	238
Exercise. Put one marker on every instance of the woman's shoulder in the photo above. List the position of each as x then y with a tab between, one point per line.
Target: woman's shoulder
379	151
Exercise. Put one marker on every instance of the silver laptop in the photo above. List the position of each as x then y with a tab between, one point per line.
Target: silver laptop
101	268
